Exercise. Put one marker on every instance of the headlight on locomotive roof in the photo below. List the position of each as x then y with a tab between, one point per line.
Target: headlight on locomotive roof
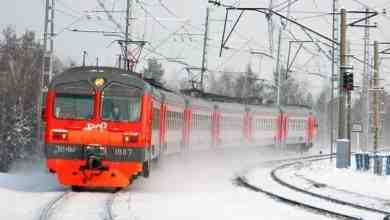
99	82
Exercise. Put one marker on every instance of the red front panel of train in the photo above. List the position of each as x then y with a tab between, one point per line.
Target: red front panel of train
97	138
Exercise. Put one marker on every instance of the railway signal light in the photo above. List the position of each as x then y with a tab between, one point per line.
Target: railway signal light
347	78
348	81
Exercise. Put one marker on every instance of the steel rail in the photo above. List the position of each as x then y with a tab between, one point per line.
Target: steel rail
328	198
243	182
50	207
110	203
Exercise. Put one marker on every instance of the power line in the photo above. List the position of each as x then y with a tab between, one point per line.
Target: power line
314	16
153	17
69	7
66	13
290	3
316	6
109	16
77	20
233	55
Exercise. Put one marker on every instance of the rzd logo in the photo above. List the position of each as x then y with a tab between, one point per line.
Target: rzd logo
100	126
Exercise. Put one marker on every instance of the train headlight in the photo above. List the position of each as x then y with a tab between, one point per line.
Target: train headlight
99	82
60	135
130	138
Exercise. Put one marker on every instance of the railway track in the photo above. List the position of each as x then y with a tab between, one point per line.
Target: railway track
291	159
57	204
48	211
299	189
281	190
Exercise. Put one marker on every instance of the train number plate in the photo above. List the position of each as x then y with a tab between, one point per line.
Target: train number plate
123	152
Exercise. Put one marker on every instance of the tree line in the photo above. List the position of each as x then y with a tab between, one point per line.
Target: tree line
20	64
247	84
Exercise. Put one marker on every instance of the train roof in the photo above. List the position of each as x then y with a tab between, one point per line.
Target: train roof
90	73
200	101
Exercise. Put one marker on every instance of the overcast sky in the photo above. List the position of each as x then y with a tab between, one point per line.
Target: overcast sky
174	29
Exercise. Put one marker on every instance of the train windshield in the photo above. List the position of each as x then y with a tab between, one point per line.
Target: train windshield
121	103
74	101
73	106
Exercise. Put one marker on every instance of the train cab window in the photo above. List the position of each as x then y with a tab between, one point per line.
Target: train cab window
121	103
73	106
74	101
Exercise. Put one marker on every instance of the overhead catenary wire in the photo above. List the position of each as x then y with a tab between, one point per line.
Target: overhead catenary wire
171	12
65	5
290	3
316	6
171	35
152	50
232	55
67	13
313	16
77	20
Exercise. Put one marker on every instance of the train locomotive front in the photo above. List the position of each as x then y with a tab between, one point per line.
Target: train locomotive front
97	131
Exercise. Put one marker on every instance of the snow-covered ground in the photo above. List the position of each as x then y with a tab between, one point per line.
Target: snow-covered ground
25	191
200	186
182	186
261	178
363	186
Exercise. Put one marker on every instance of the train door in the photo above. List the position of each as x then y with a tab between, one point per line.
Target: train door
156	144
247	128
215	127
163	127
187	119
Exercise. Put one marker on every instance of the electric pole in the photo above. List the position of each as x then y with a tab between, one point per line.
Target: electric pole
349	100
128	17
51	36
342	91
278	70
333	77
47	69
204	55
365	94
375	89
270	28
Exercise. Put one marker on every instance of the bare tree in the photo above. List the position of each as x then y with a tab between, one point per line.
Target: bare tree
20	65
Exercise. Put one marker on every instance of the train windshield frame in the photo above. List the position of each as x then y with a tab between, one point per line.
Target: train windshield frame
121	103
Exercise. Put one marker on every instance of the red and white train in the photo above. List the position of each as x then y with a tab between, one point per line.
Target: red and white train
104	126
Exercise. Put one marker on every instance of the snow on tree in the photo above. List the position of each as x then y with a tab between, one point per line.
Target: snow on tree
20	66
